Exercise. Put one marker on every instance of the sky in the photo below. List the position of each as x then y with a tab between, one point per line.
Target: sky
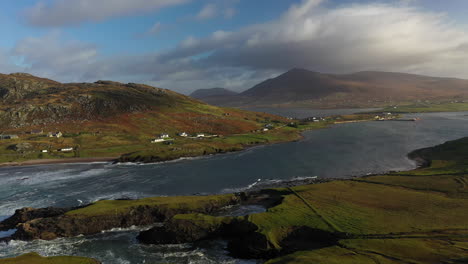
186	45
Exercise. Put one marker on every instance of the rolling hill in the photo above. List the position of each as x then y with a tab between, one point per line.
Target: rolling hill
300	87
109	119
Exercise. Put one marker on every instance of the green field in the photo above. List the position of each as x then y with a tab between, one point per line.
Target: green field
409	217
427	107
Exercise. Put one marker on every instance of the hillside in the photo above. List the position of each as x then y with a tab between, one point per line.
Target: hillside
300	87
108	119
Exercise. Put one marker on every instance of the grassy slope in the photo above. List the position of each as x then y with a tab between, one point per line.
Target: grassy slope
409	217
123	206
412	217
428	108
132	132
34	258
397	218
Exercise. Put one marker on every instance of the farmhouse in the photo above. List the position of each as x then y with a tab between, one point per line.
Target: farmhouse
183	134
55	134
200	135
65	150
158	140
164	135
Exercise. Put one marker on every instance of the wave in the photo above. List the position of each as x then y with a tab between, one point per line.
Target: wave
261	183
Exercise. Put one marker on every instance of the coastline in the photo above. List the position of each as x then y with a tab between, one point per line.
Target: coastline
56	161
120	160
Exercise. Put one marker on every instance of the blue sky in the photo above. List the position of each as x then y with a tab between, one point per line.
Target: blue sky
190	44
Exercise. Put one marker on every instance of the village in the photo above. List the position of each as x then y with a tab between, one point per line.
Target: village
27	142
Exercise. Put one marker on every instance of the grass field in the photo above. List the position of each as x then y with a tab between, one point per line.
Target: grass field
428	107
418	216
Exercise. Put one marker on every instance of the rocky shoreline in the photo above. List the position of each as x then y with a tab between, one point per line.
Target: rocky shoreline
355	217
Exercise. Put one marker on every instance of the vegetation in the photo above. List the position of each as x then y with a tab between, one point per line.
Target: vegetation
428	107
120	207
408	217
33	258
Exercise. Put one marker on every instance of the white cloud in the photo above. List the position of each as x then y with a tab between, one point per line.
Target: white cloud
50	56
73	12
343	39
348	38
207	12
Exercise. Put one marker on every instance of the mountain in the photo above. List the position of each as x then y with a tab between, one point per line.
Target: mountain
362	89
213	92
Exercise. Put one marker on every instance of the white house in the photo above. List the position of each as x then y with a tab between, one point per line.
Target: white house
265	129
66	150
200	135
158	140
183	134
55	134
164	135
44	151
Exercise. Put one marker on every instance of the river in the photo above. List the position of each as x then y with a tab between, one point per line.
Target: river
341	151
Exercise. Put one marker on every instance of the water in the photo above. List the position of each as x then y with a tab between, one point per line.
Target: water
341	151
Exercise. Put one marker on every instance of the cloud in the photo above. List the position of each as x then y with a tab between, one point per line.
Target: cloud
207	12
65	12
51	56
347	38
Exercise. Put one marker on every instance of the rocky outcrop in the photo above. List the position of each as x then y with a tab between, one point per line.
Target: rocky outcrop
29	214
195	227
245	240
52	223
26	100
18	85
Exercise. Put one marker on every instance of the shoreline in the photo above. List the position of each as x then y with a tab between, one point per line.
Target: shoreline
56	161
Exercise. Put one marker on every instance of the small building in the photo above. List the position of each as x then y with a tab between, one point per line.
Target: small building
9	137
265	129
44	151
200	135
55	134
158	140
164	135
183	134
65	150
269	126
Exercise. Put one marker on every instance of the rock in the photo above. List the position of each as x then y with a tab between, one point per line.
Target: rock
51	223
28	214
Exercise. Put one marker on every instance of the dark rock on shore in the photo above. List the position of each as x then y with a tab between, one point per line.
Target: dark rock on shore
28	214
52	223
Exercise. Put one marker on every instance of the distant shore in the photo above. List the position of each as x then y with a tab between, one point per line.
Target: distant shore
56	161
